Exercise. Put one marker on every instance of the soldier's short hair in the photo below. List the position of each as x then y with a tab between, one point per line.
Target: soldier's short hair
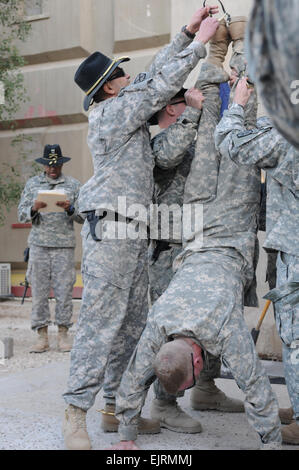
173	365
100	96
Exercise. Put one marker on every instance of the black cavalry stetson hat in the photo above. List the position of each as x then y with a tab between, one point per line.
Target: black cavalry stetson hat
94	72
153	121
52	156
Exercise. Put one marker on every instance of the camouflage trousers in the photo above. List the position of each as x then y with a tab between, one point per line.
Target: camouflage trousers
205	297
160	275
113	314
51	268
160	271
287	322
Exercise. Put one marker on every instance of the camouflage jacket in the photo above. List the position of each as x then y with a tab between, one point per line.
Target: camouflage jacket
53	229
119	138
273	61
176	141
265	148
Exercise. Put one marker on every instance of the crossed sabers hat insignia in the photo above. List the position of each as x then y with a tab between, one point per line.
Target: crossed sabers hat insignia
53	157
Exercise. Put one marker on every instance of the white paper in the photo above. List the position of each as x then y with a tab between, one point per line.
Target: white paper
50	198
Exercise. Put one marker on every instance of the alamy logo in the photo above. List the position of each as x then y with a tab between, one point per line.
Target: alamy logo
158	222
2	93
295	353
2	353
295	94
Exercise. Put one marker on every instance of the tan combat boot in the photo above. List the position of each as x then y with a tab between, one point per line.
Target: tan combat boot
110	423
172	417
290	433
74	429
237	29
286	415
63	341
219	45
42	344
206	396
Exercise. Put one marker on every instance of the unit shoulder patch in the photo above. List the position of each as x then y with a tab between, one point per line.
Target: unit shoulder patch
140	77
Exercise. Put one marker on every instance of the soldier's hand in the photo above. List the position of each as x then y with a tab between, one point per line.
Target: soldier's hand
242	92
194	98
199	16
125	445
207	30
38	205
64	204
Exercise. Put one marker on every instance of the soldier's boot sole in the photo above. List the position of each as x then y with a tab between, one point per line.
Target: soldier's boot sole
182	429
33	351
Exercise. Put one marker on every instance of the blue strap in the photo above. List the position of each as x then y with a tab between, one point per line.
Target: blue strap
224	91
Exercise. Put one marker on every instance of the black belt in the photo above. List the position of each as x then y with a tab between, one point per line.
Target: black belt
93	219
160	246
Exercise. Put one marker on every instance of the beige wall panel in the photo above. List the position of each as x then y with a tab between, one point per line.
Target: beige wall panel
52	90
102	26
63	25
141	18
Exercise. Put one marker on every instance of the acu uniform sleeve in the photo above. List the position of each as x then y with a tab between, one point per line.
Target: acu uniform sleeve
261	146
170	145
25	205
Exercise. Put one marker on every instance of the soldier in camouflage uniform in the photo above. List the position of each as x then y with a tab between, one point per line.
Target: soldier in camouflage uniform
115	272
273	58
178	138
215	271
52	245
265	148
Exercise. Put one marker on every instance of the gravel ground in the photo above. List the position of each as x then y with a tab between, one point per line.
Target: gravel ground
31	403
15	323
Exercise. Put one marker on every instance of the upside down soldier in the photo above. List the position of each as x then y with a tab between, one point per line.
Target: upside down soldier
180	125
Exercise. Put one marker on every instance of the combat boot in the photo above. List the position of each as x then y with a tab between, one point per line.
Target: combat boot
207	396
286	415
74	429
237	30
290	433
172	417
110	424
42	343
63	341
218	45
